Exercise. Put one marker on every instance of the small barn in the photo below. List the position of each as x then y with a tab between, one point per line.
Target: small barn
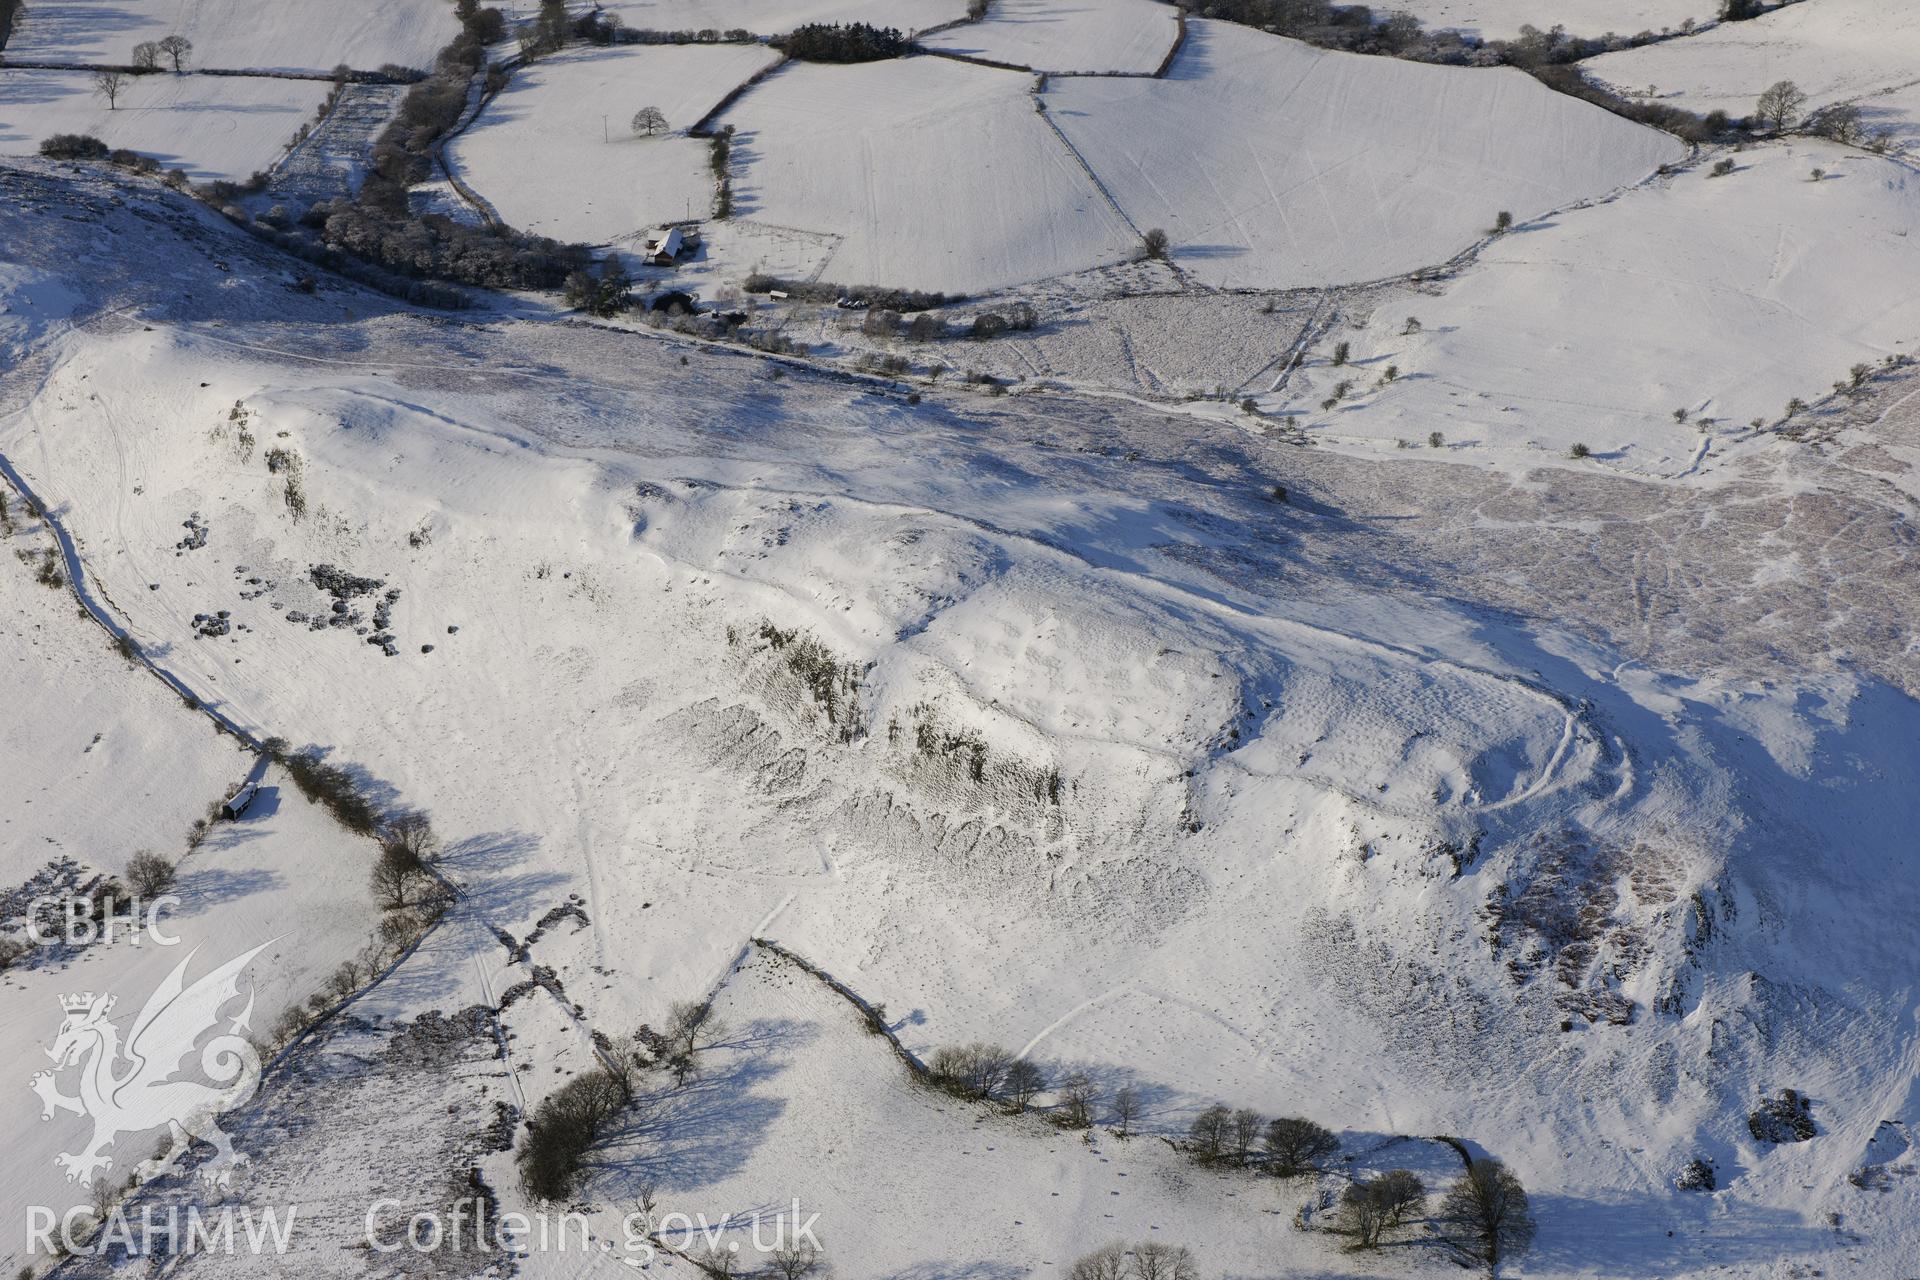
236	804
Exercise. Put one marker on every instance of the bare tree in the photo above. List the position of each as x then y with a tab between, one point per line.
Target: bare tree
1078	1097
1403	1194
1298	1145
1126	1109
178	49
1154	243
109	85
648	121
986	1067
412	833
397	875
1155	1261
792	1260
1780	106
1109	1262
1363	1214
1024	1079
1210	1133
1245	1131
692	1026
720	1261
1486	1215
149	874
1842	122
146	56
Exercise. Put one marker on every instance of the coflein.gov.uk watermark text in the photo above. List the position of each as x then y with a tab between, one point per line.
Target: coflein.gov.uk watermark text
169	1230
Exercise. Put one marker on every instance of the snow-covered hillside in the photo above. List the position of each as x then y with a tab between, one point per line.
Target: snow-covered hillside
1364	168
1773	284
1563	813
1860	51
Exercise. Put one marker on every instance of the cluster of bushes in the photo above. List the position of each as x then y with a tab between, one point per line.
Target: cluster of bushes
1018	318
607	292
84	146
706	35
330	786
396	932
851	295
564	1128
982	1072
378	225
719	156
837	42
1573	82
1286	1147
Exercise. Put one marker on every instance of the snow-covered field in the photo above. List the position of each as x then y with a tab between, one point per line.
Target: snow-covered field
1362	168
250	35
933	173
1771	285
1502	19
1068	35
775	17
554	153
1835	50
211	126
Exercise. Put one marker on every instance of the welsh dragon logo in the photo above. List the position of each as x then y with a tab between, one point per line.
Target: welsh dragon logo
130	1089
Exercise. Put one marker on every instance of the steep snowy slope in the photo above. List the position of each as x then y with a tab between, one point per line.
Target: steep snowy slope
1044	720
1272	164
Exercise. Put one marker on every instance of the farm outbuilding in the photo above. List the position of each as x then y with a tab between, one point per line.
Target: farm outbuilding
236	804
